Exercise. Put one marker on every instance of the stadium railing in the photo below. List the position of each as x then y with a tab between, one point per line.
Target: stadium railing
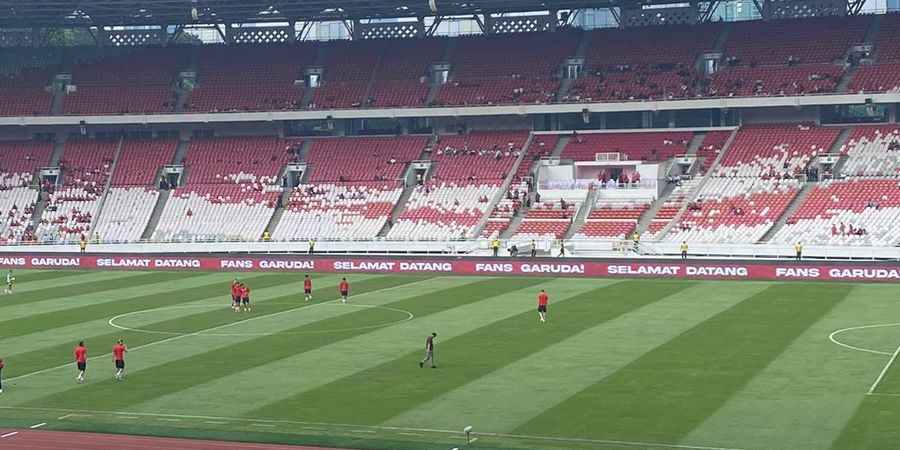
478	247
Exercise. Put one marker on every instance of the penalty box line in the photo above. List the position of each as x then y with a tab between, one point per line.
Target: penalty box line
384	428
219	327
884	371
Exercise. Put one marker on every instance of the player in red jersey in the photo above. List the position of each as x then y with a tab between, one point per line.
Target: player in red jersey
542	305
345	290
1	375
119	351
80	361
235	294
307	288
245	297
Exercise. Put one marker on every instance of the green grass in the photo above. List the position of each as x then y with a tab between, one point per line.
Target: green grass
620	363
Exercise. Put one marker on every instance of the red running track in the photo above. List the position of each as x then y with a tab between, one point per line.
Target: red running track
66	440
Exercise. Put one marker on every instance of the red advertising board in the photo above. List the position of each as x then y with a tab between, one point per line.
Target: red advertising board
465	266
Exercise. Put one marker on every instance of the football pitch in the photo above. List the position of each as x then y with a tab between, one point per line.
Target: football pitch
619	364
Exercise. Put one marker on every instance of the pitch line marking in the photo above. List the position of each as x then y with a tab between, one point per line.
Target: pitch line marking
11	433
409	316
38	425
312	425
833	337
64	417
214	422
884	371
219	327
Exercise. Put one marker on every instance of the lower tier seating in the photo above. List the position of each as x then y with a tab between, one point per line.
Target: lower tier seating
126	213
734	210
443	211
337	211
847	212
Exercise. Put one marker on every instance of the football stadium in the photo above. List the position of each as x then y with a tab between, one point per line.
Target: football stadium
444	225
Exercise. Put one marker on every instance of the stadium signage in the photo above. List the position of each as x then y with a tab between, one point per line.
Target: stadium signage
463	266
54	261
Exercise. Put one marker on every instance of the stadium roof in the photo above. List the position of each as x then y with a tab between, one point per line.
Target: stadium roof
54	13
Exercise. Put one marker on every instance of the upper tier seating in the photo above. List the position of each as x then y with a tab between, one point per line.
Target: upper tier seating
801	41
513	68
348	71
86	166
774	151
262	81
126	83
734	210
613	219
847	212
402	73
233	184
25	93
635	146
642	63
884	76
774	80
873	151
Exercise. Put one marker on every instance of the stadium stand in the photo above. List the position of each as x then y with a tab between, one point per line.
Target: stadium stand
403	72
263	81
847	212
348	72
631	146
468	174
19	161
70	211
231	191
343	199
884	75
613	219
735	210
872	151
500	69
774	150
133	192
125	83
643	63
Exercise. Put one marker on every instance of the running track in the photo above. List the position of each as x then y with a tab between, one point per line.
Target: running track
66	440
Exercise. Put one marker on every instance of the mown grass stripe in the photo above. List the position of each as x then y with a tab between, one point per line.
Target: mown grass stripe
509	340
804	397
28	287
309	370
107	281
28	277
51	356
505	399
181	373
667	393
151	318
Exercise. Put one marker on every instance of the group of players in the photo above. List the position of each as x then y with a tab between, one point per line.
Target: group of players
240	298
